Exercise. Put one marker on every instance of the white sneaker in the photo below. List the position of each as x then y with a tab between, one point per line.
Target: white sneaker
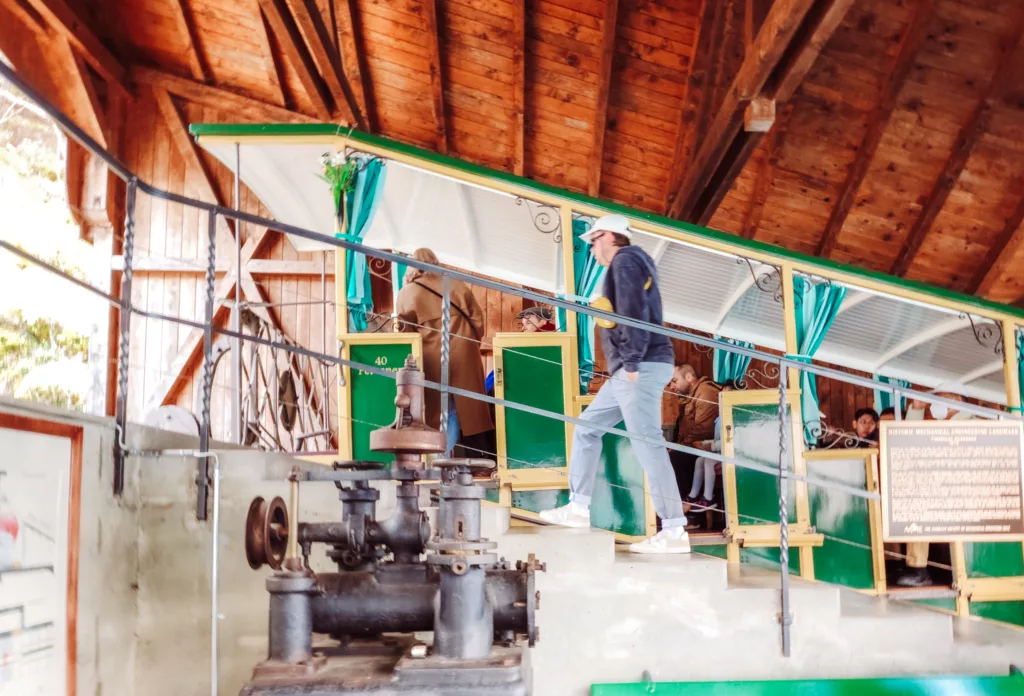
671	540
571	515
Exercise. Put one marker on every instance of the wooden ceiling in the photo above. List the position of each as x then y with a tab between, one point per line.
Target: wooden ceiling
883	133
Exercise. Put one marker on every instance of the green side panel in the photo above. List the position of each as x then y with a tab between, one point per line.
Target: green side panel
373	396
720	551
533	377
947	603
618	504
756	439
842	516
1007	612
492	495
994	560
770	558
911	686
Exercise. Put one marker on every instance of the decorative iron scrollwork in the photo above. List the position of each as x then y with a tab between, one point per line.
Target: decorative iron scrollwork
988	335
765	280
547	219
830	438
760	379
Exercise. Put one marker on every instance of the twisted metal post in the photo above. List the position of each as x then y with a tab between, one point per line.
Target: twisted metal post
202	477
785	619
125	315
446	336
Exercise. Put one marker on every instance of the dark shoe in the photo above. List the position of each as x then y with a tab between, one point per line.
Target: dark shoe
693	522
703	504
914	577
691	500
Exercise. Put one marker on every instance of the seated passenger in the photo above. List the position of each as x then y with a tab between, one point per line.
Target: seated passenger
887	414
536	319
865	427
704	470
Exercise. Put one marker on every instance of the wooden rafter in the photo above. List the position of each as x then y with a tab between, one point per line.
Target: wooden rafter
910	45
321	47
186	146
290	39
186	27
218	97
26	15
63	20
786	46
190	350
608	28
966	139
430	10
353	60
701	60
79	90
196	266
1003	251
518	87
270	62
763	185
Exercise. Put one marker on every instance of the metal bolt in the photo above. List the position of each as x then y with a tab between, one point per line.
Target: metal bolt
536	597
418	651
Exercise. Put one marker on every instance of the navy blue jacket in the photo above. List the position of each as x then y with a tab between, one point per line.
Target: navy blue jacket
631	284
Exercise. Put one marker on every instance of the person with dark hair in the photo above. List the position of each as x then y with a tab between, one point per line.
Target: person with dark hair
704	471
536	319
865	427
887	414
640	364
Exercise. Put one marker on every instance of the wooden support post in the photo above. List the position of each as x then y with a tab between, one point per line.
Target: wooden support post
571	320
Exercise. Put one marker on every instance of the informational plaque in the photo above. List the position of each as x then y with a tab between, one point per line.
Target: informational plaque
952	480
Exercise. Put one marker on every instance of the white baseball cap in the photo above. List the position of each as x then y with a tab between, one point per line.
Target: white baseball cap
609	223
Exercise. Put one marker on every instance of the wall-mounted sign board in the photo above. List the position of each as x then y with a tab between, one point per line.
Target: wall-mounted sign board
952	480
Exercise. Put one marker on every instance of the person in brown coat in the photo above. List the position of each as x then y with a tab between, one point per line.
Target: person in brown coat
418	307
700	405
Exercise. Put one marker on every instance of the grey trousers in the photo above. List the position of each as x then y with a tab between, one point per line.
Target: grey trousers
638	404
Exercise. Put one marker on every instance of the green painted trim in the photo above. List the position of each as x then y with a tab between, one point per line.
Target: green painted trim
808	263
909	686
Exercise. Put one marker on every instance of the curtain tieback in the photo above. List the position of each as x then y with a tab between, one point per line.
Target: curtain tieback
348	237
799	357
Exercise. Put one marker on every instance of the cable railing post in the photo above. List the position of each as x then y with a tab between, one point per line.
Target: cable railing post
897	402
784	616
125	317
203	478
237	417
446	332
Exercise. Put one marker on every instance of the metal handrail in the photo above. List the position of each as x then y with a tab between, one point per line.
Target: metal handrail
123	172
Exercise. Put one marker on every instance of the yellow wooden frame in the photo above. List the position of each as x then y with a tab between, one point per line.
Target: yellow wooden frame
870	457
535	478
800	534
346	341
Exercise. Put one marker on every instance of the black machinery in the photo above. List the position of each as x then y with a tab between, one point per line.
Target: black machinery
386	591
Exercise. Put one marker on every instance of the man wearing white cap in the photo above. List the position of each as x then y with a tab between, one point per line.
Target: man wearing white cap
640	364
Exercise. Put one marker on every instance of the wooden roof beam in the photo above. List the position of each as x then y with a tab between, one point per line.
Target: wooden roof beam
763	186
64	21
1003	251
321	46
966	139
275	72
436	79
291	41
186	27
518	87
788	43
353	60
910	45
611	13
218	97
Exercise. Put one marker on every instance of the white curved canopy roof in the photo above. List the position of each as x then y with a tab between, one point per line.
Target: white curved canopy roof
518	241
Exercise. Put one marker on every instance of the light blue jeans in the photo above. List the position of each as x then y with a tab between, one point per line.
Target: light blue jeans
638	404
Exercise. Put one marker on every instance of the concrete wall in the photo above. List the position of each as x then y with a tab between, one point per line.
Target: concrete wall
145	564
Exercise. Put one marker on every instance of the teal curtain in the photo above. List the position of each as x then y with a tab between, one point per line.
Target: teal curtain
883	398
360	206
730	366
816	306
1020	360
589	274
